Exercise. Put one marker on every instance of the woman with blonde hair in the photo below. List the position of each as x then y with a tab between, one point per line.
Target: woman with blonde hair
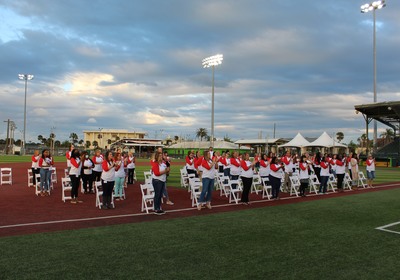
208	166
159	177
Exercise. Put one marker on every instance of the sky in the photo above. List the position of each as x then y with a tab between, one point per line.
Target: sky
298	66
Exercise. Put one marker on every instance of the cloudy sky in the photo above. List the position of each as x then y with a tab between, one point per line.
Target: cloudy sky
136	65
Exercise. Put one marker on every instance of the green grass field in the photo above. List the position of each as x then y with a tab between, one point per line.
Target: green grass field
324	239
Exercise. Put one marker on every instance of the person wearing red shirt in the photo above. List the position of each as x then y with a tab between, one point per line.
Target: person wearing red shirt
275	176
108	179
208	165
45	164
247	177
35	166
235	168
370	170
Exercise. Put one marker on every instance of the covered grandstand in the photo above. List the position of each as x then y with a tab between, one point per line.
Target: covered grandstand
387	113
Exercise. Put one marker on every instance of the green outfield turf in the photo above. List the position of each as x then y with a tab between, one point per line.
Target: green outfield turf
323	239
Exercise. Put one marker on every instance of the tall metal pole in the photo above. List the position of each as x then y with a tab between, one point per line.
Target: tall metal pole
212	110
26	87
375	96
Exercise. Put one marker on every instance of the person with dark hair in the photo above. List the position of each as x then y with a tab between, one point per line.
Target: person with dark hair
45	164
68	157
275	176
317	165
303	175
265	169
108	179
340	171
353	167
324	175
235	168
159	177
98	161
87	173
130	164
35	166
247	177
167	162
74	175
370	162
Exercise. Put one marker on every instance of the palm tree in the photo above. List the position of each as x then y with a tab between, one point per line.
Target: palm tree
201	133
74	138
87	145
95	143
388	135
339	136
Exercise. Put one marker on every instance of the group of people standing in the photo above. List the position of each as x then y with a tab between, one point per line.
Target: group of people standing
275	169
114	170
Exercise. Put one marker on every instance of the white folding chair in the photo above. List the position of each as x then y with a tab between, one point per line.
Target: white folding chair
234	194
314	183
53	177
362	181
66	173
224	188
256	184
267	189
347	182
184	178
147	177
65	187
99	194
332	183
147	197
30	178
5	176
37	187
294	185
195	189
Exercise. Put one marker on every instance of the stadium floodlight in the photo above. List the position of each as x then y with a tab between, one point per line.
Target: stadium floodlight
372	7
26	78
212	61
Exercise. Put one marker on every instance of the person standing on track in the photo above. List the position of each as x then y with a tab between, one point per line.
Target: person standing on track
108	179
74	175
247	176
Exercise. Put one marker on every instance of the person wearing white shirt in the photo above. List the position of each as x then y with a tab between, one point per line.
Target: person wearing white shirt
370	170
247	177
131	167
209	166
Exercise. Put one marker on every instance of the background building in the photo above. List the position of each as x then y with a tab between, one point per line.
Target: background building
103	138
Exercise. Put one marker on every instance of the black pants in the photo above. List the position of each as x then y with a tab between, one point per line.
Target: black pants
275	185
303	187
131	172
87	179
107	192
246	188
317	171
34	172
234	177
74	185
340	178
96	175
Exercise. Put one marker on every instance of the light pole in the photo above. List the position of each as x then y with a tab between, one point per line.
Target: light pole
376	5
26	78
212	61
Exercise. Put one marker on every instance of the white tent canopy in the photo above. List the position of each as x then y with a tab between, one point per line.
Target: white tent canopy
298	141
325	141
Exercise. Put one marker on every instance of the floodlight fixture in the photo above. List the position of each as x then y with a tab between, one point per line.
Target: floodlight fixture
26	78
212	61
376	5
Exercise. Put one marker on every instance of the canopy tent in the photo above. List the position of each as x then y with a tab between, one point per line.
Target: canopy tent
298	141
325	141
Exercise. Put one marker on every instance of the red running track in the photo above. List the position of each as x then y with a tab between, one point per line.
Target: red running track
22	212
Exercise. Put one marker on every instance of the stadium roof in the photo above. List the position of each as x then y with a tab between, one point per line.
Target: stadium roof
387	113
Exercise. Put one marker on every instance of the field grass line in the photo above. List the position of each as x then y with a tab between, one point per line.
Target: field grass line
174	211
384	228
